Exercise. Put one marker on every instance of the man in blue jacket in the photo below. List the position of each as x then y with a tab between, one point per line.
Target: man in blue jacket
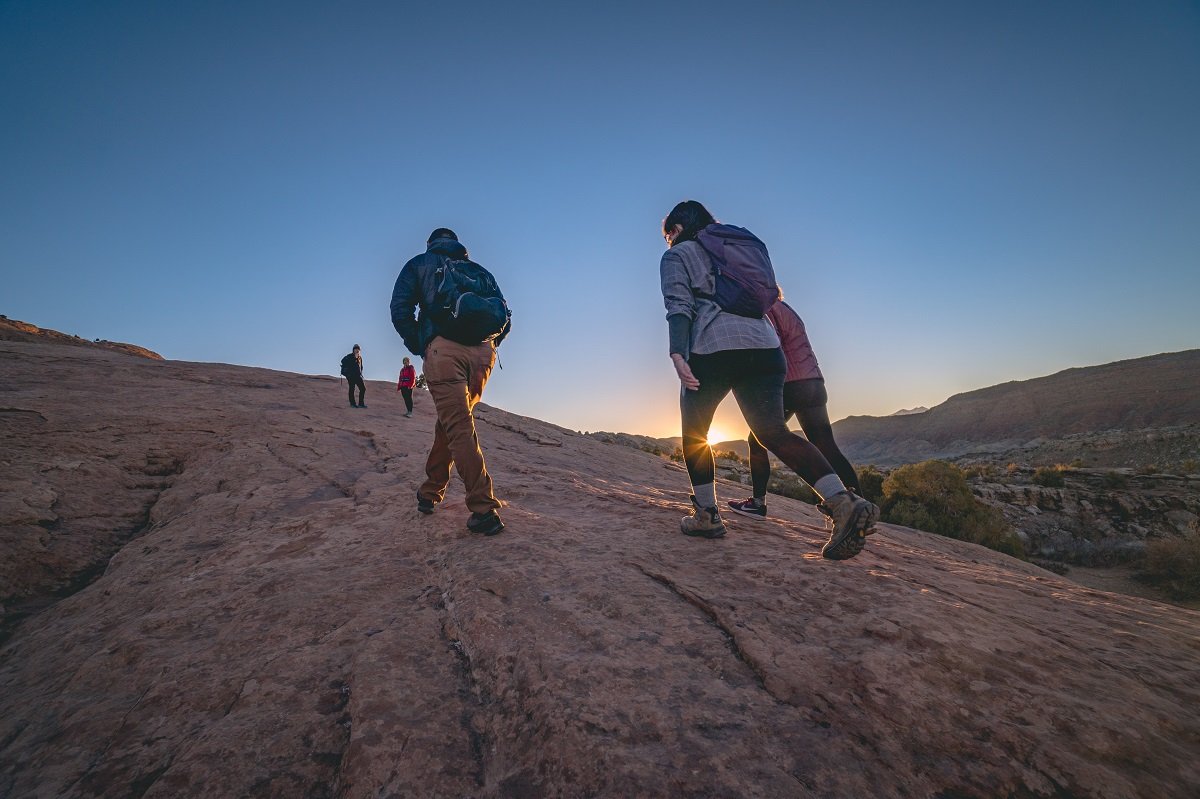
456	373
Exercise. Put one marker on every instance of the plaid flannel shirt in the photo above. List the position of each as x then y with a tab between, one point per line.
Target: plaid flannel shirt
686	270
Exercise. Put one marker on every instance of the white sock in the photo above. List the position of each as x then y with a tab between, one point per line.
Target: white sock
829	485
706	495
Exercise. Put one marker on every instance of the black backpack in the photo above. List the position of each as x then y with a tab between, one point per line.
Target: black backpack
468	306
348	365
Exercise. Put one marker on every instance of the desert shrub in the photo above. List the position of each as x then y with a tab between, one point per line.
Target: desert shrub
1190	466
786	484
934	496
1147	468
1048	476
870	480
1076	464
1114	480
677	455
1173	564
729	455
980	471
1012	469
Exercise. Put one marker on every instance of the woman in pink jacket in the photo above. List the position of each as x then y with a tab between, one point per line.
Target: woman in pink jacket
804	396
408	379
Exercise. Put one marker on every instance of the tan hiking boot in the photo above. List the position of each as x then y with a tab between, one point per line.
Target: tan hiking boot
703	522
828	517
852	518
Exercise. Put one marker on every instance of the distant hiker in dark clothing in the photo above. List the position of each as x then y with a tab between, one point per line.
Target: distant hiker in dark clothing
803	395
352	370
721	341
408	380
463	318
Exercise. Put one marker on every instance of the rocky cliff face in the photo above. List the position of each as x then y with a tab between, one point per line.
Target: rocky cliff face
219	586
1144	394
1097	517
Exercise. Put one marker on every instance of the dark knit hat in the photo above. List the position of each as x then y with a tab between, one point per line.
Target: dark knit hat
442	233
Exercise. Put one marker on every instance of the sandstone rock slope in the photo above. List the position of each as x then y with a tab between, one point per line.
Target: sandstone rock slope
217	585
16	330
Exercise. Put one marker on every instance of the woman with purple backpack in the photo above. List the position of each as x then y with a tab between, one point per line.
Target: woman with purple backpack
717	284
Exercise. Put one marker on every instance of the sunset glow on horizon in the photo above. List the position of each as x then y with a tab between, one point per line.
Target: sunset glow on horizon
716	436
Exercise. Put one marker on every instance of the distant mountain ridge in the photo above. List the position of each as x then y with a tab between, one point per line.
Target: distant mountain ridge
1157	391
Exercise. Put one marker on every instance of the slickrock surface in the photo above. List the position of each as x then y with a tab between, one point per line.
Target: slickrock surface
250	605
16	330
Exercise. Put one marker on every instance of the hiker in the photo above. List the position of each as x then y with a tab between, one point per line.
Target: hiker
408	380
352	370
721	341
462	319
804	396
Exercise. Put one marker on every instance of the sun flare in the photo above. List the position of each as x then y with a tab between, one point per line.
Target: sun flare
716	436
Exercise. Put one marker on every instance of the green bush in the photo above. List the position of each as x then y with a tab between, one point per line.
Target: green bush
786	484
870	480
934	496
1148	468
1190	466
1049	476
1173	564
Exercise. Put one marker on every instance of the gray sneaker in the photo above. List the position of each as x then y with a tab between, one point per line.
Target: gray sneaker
703	522
852	519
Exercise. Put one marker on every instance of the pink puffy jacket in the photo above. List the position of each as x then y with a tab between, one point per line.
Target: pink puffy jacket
801	360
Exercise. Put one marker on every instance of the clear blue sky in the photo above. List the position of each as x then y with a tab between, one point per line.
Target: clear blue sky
955	194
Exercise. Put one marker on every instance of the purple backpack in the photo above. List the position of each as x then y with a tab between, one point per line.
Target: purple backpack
745	278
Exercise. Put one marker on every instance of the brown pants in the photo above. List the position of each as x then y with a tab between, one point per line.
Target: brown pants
456	374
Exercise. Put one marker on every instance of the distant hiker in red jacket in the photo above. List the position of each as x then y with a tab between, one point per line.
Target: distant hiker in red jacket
803	396
408	379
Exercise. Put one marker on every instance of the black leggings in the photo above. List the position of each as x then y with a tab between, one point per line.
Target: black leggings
806	399
362	389
756	379
407	394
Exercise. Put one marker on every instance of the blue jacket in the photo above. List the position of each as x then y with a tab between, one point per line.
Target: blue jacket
414	294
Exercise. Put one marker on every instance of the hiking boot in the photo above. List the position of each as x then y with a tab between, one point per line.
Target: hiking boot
408	415
424	505
829	523
749	507
703	522
485	523
852	517
362	404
